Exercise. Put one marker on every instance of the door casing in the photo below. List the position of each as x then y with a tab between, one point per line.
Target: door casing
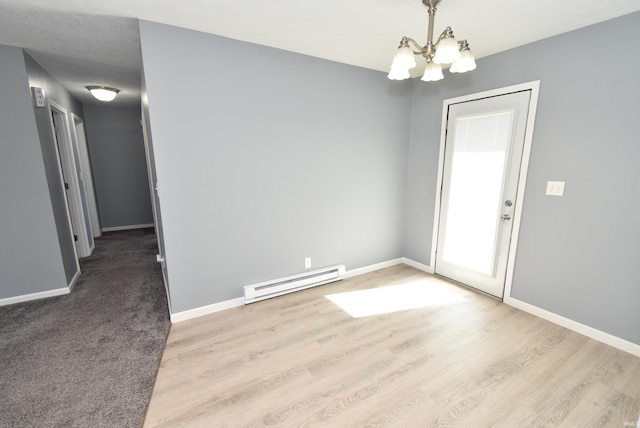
155	200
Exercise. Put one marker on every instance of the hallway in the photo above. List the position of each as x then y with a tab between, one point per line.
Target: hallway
88	358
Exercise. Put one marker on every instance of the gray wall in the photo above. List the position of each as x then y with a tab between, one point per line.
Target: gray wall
265	157
54	91
116	149
30	254
577	255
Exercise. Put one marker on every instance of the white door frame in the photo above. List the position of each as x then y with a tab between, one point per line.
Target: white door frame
155	201
80	139
534	87
74	201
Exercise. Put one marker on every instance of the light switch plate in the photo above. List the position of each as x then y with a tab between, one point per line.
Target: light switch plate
555	188
38	97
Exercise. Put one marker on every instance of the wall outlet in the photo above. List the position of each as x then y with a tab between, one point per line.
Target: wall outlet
307	262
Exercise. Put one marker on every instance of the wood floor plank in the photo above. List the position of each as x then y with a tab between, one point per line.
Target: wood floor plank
300	360
606	407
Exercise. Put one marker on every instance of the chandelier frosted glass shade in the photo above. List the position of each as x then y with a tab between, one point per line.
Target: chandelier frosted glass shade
465	63
444	50
399	74
432	72
103	93
447	51
403	59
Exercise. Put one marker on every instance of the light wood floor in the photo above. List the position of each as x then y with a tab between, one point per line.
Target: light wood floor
469	361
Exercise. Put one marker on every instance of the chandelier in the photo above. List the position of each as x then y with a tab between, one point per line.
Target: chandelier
445	50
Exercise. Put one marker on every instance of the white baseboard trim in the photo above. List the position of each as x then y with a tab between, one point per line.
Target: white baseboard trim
206	310
34	296
591	332
417	265
371	268
74	280
234	303
129	227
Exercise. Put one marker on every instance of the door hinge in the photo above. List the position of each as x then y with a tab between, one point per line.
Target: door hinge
66	186
75	238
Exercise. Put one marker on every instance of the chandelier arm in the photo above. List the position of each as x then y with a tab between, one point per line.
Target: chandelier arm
443	34
420	50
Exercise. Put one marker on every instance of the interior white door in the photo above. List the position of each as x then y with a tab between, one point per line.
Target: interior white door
75	202
78	131
483	152
82	187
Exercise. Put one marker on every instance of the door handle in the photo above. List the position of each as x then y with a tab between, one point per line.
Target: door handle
506	217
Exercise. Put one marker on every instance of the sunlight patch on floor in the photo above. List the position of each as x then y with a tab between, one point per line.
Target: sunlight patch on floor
393	298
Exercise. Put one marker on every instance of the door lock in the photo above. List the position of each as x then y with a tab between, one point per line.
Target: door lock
506	217
508	203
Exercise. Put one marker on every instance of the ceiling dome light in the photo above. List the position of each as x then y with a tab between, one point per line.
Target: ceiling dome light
103	93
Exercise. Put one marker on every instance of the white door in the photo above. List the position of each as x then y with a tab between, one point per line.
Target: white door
80	139
482	157
82	187
77	207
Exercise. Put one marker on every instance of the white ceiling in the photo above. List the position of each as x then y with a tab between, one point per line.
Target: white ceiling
89	42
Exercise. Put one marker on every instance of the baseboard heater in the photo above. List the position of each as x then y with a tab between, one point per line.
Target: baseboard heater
289	284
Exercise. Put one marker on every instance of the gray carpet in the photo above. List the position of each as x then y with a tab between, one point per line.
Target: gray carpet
89	358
